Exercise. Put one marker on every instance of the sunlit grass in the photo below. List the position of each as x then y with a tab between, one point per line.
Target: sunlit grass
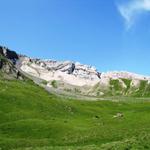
31	118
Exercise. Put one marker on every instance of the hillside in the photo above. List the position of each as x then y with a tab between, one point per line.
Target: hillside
70	78
8	60
79	79
31	117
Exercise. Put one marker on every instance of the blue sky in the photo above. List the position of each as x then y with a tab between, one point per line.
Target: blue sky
109	34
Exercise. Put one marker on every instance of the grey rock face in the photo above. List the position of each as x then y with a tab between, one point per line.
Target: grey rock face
9	54
68	67
86	72
8	60
72	76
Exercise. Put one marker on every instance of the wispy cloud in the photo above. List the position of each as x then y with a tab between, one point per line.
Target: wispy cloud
132	9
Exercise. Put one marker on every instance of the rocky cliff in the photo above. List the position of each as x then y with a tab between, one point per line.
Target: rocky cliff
73	77
11	55
8	60
67	71
84	79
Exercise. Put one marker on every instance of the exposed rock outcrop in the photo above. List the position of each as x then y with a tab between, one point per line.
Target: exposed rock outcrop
67	71
11	55
124	75
83	78
73	76
8	60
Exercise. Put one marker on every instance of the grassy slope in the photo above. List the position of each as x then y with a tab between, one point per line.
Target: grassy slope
30	117
142	91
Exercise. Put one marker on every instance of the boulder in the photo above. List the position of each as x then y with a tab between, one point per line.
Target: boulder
118	115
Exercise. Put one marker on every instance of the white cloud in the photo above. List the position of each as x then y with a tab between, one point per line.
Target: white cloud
131	9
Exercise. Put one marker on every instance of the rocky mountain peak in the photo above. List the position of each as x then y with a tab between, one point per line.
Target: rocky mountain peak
8	61
66	71
72	76
11	55
74	73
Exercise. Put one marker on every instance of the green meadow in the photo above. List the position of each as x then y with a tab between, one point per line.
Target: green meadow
32	119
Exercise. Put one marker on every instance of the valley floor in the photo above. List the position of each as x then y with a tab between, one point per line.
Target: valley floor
32	119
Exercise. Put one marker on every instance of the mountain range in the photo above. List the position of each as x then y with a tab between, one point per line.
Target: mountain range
52	105
72	77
